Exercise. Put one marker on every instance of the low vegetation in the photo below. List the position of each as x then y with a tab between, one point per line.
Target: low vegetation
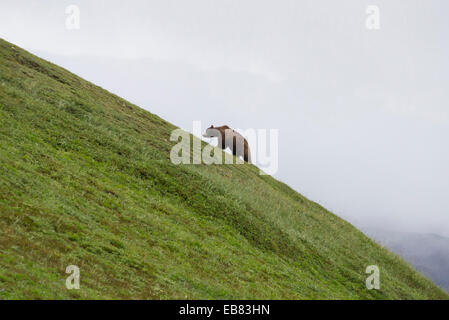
85	180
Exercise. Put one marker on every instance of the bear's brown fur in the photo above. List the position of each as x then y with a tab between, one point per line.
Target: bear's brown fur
230	138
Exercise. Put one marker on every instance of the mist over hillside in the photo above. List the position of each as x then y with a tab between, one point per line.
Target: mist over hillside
428	253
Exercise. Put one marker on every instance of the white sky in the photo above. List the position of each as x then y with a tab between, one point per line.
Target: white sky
363	115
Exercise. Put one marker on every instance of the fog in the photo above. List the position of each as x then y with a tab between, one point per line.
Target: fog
362	113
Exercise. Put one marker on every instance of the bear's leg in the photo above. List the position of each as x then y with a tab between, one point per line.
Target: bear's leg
247	155
223	143
234	150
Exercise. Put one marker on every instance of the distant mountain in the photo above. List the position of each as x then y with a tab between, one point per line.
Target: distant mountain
428	253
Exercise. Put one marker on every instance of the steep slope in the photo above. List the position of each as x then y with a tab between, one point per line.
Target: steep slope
85	179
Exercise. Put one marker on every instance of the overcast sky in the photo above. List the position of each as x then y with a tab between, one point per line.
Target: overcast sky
363	115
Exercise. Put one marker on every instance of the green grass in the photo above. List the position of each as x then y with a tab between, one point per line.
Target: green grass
85	179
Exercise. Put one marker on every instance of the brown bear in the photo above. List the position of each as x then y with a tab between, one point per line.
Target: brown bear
229	138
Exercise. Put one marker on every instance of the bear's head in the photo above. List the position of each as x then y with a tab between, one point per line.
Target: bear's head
211	132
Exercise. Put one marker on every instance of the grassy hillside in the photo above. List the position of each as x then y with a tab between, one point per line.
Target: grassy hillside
85	179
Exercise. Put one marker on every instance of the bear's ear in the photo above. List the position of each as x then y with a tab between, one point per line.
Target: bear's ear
212	126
